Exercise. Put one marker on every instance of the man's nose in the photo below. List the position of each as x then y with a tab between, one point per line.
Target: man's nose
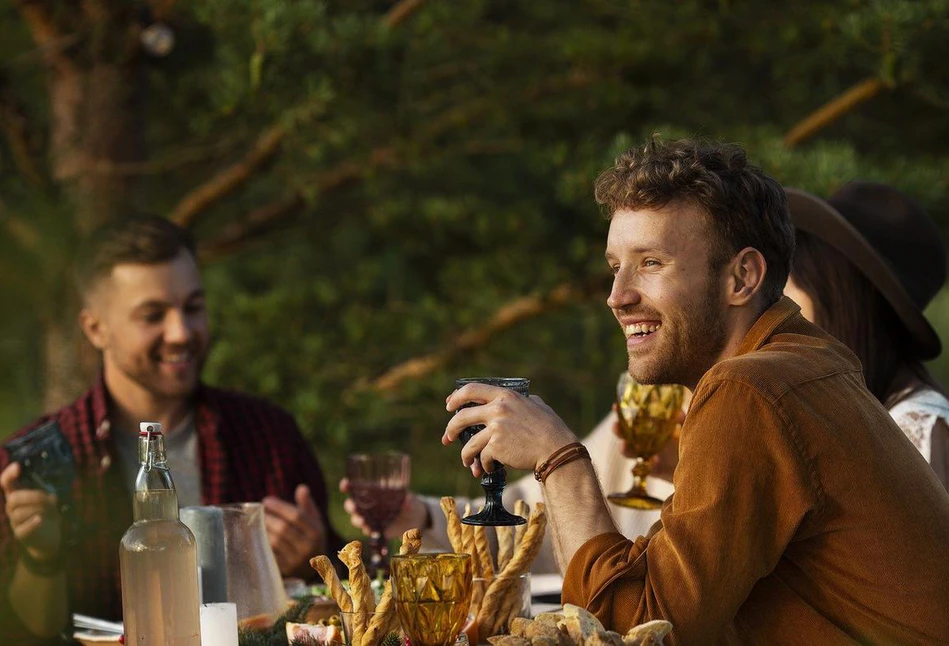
623	293
177	328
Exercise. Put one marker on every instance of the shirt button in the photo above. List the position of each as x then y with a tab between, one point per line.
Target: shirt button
103	431
105	462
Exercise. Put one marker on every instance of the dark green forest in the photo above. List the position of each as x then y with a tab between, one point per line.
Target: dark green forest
388	195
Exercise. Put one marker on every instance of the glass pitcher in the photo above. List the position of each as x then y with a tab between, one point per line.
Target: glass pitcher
235	559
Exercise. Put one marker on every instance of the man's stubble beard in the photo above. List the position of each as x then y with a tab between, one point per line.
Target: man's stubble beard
690	356
153	381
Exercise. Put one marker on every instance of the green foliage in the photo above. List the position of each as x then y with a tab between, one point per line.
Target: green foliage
445	167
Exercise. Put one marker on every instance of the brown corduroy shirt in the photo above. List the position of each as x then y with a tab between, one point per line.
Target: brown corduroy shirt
801	513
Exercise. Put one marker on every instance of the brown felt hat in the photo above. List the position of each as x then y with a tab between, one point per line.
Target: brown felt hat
889	238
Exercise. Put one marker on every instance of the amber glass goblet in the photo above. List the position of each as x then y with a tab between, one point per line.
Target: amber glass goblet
432	593
648	418
493	483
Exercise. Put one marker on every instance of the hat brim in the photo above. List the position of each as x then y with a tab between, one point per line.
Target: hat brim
814	215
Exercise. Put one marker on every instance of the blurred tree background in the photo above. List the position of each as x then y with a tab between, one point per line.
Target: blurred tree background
392	194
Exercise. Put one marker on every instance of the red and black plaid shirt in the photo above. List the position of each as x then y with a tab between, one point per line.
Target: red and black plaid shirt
247	449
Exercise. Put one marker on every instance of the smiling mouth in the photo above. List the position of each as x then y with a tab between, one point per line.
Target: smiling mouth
176	358
641	330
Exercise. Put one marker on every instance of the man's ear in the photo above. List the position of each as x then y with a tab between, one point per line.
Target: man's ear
93	327
746	273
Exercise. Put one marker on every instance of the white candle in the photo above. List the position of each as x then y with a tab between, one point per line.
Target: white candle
218	624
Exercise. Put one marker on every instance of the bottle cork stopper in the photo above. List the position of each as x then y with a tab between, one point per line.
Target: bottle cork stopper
153	428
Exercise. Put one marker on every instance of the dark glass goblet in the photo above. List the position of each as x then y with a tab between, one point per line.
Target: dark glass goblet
493	483
377	484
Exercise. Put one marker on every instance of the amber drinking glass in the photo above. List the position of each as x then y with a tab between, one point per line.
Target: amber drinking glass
377	486
432	593
648	418
493	483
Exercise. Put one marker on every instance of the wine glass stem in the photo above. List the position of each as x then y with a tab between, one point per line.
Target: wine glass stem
641	471
493	484
379	548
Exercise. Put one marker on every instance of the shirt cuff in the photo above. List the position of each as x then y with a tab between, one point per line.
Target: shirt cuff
598	563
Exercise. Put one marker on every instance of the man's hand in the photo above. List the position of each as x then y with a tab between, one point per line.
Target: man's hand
414	514
520	432
33	515
296	531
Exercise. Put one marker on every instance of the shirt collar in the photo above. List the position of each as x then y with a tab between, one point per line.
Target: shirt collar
772	318
206	416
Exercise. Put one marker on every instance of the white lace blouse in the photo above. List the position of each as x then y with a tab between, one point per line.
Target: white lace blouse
919	415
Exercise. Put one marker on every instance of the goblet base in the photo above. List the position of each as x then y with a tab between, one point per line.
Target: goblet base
634	500
493	517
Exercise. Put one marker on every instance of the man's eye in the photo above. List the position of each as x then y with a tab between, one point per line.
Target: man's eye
194	308
152	317
614	269
651	262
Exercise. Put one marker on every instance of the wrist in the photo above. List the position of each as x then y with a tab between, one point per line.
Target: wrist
42	565
559	458
554	442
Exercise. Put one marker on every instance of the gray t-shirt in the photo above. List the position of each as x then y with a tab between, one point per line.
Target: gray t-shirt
181	450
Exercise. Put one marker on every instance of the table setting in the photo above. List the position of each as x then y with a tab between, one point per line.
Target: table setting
480	592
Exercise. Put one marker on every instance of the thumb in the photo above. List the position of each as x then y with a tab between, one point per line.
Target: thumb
9	477
304	501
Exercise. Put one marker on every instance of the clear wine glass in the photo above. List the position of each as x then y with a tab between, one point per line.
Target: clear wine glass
648	418
493	483
377	485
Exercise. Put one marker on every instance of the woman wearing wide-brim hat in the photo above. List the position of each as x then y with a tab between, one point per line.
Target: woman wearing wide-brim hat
868	262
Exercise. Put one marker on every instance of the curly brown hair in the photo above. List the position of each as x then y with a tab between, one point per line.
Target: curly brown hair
747	207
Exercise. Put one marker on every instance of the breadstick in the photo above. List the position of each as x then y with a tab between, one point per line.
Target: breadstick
383	622
468	544
505	545
360	589
325	569
454	523
380	621
411	542
502	591
526	551
484	553
522	509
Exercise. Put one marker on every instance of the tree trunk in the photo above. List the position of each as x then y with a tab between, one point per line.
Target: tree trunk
69	362
96	117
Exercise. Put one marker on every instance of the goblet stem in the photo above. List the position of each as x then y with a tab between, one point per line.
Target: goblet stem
493	484
641	471
379	555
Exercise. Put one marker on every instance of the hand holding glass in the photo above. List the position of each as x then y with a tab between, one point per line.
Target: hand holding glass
648	418
493	483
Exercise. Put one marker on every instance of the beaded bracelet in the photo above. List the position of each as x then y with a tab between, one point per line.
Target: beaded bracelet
559	458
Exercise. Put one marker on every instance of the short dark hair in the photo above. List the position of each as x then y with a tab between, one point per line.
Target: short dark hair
747	207
147	239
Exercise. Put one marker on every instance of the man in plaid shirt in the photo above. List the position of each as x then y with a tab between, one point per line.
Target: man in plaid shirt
143	309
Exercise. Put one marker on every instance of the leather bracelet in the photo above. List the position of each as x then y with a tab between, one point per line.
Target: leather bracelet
48	568
558	458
